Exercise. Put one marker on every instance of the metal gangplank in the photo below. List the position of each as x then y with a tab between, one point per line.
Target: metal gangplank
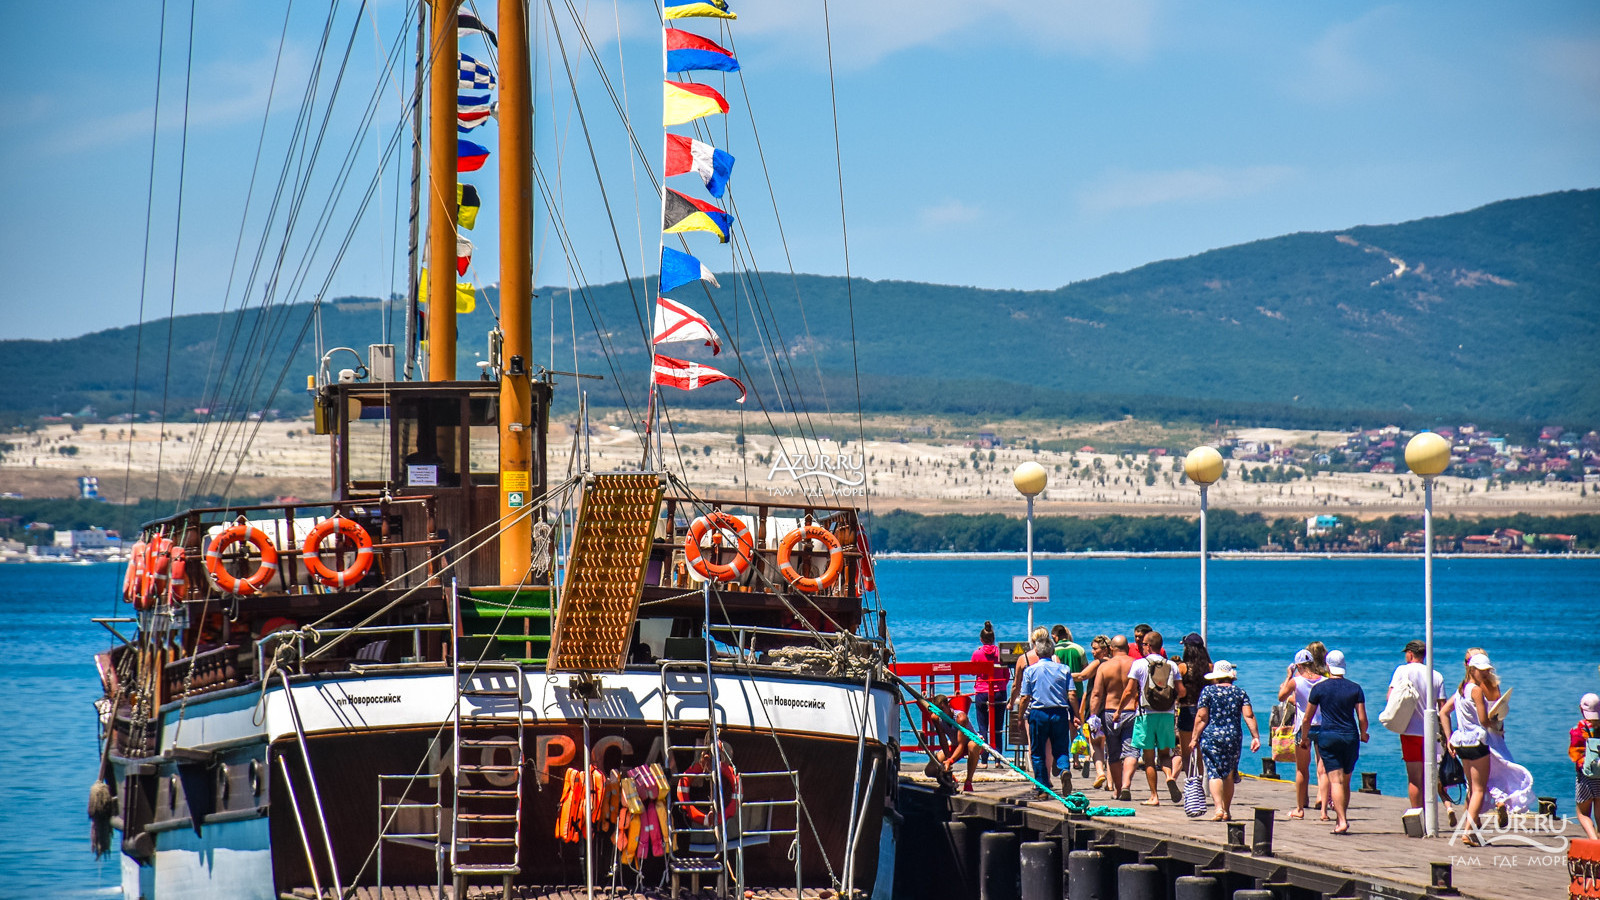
488	760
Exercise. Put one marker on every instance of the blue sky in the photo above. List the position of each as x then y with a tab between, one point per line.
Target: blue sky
1008	145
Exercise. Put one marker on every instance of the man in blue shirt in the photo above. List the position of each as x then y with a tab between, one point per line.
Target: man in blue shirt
1046	687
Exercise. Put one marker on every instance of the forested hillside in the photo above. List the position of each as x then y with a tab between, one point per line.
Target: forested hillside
1492	314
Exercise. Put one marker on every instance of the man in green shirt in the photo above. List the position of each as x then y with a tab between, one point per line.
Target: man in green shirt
1070	654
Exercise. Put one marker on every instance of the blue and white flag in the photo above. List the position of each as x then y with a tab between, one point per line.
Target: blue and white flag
679	268
475	76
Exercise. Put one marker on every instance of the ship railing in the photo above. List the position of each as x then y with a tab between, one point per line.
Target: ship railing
371	656
204	671
768	524
961	682
402	529
746	640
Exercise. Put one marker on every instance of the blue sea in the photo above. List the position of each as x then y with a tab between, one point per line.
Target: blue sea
1538	618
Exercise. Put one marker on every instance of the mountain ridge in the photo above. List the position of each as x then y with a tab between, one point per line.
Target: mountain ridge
1488	313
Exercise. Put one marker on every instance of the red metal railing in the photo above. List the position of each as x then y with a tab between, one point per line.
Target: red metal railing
959	681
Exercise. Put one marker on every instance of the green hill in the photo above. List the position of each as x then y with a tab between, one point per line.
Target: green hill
1492	314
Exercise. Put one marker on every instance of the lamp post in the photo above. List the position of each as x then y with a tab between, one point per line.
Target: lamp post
1427	455
1203	466
1030	479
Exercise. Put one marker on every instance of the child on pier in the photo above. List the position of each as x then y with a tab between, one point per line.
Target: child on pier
1584	749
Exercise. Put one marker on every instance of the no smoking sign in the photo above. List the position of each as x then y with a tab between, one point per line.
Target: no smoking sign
1030	589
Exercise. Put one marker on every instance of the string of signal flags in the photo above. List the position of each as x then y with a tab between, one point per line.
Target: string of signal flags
684	102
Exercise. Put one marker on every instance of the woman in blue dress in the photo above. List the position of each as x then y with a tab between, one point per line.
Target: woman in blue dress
1221	706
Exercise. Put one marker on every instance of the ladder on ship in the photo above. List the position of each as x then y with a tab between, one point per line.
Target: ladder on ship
489	728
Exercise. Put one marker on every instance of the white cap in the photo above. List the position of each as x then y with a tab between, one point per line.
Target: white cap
1335	661
1480	661
1222	669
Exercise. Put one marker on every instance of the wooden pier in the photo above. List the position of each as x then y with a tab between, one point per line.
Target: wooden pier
1376	860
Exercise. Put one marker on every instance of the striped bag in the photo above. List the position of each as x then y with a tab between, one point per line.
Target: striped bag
1194	791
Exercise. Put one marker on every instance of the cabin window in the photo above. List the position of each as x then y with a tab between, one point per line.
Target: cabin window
429	442
368	439
483	436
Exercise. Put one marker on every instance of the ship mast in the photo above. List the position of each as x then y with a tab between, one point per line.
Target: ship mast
443	77
516	289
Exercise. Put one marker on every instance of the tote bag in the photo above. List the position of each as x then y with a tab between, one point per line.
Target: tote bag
1402	704
1281	726
1194	791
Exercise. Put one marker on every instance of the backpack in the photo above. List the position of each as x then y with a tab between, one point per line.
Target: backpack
1591	758
1159	693
1401	706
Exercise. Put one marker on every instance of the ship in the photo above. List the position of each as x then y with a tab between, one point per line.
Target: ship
464	672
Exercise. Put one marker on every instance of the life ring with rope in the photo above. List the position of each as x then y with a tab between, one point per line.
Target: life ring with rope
702	815
157	562
717	523
133	577
242	531
178	576
311	552
805	583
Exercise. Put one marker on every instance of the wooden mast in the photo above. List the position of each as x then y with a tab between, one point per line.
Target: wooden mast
443	76
516	290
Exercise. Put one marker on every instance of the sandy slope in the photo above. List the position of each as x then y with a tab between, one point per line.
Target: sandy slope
934	474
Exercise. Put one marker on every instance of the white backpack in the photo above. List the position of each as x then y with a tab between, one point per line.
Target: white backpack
1402	705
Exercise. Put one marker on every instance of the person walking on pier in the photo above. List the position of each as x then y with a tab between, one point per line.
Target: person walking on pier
1343	709
1415	673
984	688
1117	711
1297	684
1584	749
1017	727
1218	711
1099	651
1046	702
1136	646
1469	741
1510	786
1153	688
1192	672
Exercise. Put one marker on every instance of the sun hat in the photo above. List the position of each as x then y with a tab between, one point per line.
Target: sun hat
1335	661
1222	669
1480	661
1590	705
1303	658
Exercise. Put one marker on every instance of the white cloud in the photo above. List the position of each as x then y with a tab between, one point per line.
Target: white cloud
1120	189
1335	67
864	33
1574	64
947	213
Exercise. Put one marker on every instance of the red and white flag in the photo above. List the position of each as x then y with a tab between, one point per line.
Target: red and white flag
676	322
690	376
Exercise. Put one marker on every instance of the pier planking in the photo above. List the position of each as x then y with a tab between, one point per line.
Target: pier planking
1377	848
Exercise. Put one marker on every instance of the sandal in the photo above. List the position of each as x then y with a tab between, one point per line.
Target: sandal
1298	814
1222	817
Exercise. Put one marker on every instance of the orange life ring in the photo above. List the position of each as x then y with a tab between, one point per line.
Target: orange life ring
835	558
701	818
310	552
721	522
135	574
153	581
178	576
234	534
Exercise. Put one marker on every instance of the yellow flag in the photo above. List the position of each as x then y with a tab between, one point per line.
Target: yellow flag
466	297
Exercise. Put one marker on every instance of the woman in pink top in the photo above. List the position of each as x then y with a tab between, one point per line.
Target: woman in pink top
988	652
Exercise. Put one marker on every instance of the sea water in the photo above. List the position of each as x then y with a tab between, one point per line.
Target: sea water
1538	618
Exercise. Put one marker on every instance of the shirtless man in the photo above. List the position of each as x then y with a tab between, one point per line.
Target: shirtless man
1111	701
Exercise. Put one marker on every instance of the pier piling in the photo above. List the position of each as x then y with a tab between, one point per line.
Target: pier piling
1086	876
961	850
1252	894
997	866
1196	887
1041	870
1140	881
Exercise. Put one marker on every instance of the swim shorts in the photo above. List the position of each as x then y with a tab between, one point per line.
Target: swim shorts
1154	731
1119	729
1338	750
